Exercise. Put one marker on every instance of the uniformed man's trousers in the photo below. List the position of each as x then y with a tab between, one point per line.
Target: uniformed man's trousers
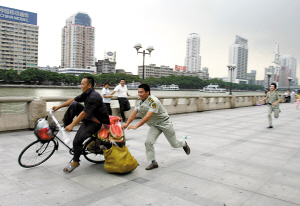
276	111
165	127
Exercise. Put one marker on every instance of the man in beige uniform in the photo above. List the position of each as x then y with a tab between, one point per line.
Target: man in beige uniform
154	114
274	100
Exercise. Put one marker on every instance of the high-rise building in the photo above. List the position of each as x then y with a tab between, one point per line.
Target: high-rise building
78	42
291	63
238	56
19	35
284	73
193	58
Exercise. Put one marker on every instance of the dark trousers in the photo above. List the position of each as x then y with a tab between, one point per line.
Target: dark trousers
124	106
87	128
108	108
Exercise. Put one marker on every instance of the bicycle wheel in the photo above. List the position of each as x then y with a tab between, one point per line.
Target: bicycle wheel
92	152
36	153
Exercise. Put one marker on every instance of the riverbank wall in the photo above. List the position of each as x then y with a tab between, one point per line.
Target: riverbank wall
36	108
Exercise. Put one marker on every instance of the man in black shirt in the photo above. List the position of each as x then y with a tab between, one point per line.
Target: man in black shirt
92	115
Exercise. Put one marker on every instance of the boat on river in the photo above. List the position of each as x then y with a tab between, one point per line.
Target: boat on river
213	88
172	87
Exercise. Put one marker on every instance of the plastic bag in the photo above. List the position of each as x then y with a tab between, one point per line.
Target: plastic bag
119	160
42	130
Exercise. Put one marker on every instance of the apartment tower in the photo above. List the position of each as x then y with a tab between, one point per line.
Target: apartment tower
19	36
193	58
78	42
238	55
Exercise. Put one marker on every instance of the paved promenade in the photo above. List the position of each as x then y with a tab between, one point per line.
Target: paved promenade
235	160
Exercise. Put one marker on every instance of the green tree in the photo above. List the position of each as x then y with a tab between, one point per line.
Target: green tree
11	75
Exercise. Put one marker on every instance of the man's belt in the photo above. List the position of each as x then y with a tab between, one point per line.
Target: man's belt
166	119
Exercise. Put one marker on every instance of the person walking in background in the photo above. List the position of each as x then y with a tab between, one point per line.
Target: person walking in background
154	115
287	96
293	96
274	100
107	97
298	99
122	97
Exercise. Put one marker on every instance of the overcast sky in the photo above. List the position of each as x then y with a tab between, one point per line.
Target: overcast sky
166	24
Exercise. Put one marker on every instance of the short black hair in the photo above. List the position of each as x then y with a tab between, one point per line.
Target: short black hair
90	80
274	84
145	87
106	83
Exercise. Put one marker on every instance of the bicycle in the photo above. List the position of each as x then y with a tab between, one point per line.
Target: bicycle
39	151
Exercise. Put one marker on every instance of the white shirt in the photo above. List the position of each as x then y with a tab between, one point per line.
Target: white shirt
106	92
292	94
122	91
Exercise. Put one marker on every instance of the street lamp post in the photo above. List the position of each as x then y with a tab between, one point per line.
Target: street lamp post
231	69
149	49
269	74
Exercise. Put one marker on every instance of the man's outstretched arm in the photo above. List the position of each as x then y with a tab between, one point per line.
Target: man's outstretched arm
143	121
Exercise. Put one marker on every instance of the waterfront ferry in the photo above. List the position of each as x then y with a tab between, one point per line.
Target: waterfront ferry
172	87
213	88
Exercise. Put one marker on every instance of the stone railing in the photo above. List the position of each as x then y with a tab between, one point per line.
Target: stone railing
36	108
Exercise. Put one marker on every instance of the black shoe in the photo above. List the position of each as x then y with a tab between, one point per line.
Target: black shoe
152	166
187	149
269	127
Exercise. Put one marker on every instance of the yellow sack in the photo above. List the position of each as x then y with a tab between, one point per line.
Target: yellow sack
119	160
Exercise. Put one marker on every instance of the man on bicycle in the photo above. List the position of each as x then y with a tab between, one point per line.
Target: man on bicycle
92	115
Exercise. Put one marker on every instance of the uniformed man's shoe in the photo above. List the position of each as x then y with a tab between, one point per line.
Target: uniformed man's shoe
269	127
186	148
152	166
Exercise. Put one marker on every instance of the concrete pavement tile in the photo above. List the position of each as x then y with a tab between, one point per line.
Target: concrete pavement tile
273	153
254	171
292	165
7	187
143	195
266	162
258	146
223	194
287	179
240	181
292	145
34	178
106	201
21	198
60	192
184	194
99	181
180	202
281	191
261	200
201	171
234	155
262	141
219	162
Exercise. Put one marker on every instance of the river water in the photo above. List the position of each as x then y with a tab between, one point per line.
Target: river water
49	92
